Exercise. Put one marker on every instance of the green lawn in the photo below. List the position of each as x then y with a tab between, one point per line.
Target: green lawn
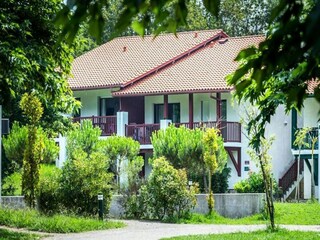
259	235
32	220
8	235
286	213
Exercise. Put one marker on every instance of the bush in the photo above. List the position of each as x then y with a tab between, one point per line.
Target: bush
12	185
166	193
48	199
14	145
253	184
83	178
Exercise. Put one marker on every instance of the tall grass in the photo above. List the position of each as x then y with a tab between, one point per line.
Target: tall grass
5	235
286	213
259	235
32	220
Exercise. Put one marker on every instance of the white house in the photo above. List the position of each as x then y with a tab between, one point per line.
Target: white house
128	85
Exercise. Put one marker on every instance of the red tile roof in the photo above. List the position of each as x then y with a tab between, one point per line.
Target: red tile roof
203	71
127	59
312	85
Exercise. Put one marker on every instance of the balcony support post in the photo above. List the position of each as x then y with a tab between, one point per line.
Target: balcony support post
165	106
191	110
218	110
122	121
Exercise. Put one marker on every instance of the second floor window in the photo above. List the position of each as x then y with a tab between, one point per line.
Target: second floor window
108	106
173	112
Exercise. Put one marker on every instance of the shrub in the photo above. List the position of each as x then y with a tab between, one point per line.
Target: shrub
14	145
167	192
48	198
12	184
83	178
253	184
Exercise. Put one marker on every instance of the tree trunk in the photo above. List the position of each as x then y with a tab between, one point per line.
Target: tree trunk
269	198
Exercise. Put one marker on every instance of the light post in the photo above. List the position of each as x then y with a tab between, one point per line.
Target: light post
100	206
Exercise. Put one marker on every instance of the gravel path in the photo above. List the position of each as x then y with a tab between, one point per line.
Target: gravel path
144	230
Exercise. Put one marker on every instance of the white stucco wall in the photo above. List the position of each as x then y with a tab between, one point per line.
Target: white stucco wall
280	126
89	100
310	112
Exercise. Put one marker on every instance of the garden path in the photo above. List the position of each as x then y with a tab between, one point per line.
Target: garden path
147	230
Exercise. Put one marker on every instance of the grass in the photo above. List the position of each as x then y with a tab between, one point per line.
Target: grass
258	235
32	220
8	235
286	213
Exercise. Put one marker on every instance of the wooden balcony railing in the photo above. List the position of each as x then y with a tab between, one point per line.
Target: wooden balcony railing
107	124
231	131
290	175
141	132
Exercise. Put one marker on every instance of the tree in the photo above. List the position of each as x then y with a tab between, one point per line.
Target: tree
32	60
259	153
215	158
182	147
123	154
31	107
268	81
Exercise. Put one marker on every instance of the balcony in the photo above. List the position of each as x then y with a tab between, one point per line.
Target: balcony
141	132
231	131
107	124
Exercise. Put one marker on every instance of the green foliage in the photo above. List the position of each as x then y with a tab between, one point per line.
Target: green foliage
11	185
31	107
6	234
82	179
258	235
130	189
15	143
83	138
268	82
48	198
123	154
84	174
167	193
33	220
32	60
253	184
182	147
215	158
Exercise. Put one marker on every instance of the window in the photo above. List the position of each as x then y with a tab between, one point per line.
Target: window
78	112
173	112
108	106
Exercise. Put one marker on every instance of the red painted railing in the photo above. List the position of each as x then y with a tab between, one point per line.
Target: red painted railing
107	124
290	175
141	132
231	131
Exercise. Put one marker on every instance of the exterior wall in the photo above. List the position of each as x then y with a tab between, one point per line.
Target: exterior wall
280	126
310	112
89	100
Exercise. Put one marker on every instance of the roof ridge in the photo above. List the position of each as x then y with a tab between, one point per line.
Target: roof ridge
247	36
176	58
168	33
